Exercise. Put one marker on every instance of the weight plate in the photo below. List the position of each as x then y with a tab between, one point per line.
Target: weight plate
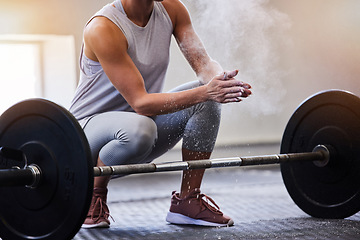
51	138
330	118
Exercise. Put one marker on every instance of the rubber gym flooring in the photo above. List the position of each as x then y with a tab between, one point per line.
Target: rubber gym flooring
254	197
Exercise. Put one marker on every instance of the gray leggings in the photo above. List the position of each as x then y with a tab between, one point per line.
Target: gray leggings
127	138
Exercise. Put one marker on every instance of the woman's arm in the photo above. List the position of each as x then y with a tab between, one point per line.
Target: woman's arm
193	48
104	42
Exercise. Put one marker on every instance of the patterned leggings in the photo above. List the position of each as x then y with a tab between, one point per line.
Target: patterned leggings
128	138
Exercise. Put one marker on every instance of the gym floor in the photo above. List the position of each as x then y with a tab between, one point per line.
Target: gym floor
254	197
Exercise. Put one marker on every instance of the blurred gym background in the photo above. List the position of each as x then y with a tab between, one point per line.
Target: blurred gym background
288	50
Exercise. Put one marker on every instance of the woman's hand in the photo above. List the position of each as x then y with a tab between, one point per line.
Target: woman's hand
225	88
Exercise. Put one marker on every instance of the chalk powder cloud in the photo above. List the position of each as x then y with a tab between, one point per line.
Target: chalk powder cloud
247	35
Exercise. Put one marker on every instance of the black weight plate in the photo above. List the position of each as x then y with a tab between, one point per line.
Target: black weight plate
51	138
330	118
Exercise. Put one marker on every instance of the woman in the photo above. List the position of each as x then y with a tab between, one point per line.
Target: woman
126	117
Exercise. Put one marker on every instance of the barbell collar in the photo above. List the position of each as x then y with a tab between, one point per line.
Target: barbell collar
36	175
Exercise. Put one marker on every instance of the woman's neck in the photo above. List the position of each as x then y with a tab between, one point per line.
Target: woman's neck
138	11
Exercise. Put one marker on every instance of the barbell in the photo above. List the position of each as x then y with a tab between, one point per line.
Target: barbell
46	170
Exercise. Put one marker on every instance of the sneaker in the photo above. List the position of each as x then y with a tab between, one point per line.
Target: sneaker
195	209
99	212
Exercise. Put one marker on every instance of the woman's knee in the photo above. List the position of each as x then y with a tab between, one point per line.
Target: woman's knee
213	107
202	128
133	145
209	111
144	136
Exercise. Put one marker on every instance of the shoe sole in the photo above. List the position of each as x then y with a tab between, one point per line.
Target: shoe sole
97	225
177	218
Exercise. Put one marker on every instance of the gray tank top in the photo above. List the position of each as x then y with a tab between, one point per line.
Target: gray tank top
148	47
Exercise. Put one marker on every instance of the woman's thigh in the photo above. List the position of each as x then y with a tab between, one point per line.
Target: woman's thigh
120	137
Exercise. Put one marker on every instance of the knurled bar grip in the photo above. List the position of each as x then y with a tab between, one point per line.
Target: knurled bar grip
203	164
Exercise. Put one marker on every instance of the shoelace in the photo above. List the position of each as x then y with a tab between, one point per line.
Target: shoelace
103	210
214	209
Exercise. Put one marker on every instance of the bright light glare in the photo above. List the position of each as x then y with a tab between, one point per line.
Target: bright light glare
19	64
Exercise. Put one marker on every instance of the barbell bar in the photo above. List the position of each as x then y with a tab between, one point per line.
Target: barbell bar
30	176
48	171
318	155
